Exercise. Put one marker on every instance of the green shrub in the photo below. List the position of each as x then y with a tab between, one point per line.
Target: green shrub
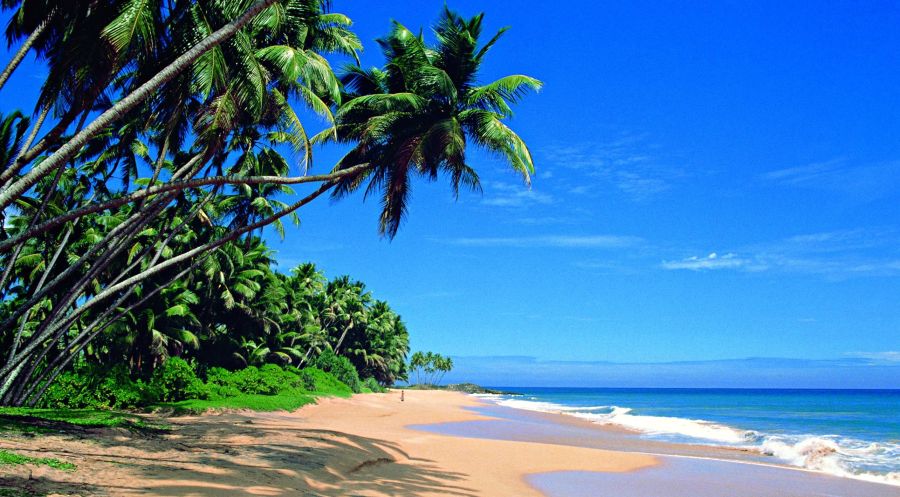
320	382
266	380
307	379
251	380
220	383
91	387
175	380
373	385
341	368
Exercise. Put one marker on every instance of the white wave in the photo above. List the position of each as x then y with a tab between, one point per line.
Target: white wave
653	425
836	456
534	405
662	425
833	455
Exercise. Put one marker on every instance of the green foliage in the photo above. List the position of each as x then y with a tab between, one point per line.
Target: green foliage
286	401
177	380
266	380
430	367
373	385
101	271
15	417
10	458
341	368
307	379
300	387
92	387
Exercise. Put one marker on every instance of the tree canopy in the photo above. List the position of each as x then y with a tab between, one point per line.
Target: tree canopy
167	135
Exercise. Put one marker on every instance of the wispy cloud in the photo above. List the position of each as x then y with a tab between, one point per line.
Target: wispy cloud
500	194
866	181
711	261
629	163
835	255
558	241
886	356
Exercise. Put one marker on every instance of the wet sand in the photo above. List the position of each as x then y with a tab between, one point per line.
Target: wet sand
683	470
685	477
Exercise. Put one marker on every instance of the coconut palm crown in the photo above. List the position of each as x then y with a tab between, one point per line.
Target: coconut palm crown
415	116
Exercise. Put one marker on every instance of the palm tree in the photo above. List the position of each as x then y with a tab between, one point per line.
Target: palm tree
416	116
345	309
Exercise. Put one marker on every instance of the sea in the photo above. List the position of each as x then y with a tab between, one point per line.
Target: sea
847	433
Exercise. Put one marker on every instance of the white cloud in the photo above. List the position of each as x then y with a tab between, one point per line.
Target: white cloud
628	163
863	181
499	194
886	356
711	261
559	241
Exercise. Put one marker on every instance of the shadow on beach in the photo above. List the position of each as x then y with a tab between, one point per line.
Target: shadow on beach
232	454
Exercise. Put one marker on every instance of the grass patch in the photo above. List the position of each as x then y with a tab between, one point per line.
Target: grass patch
14	492
286	401
325	385
23	419
7	457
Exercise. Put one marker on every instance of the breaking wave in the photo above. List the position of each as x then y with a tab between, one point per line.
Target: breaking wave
839	456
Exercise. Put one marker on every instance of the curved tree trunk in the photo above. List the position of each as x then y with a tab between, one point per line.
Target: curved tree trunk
111	115
23	50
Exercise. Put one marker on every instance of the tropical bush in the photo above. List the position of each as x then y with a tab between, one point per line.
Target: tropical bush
177	380
373	385
341	368
95	388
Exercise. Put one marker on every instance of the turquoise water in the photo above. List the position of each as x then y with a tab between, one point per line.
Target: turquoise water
853	433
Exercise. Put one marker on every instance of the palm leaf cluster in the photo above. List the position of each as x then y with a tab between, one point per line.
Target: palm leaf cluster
415	116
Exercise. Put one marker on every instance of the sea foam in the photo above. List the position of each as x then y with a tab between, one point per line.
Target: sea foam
845	457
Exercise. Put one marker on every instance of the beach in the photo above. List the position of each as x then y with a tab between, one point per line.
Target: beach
370	445
356	446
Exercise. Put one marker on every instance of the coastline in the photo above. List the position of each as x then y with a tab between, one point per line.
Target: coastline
433	443
358	446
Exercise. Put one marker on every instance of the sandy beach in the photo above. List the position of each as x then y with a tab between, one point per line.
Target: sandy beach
357	446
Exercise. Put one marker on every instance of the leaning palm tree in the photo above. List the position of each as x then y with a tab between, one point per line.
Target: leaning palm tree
416	116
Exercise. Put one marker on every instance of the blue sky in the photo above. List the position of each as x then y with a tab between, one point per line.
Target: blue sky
714	181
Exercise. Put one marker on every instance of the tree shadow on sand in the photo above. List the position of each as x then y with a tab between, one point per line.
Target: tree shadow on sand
23	486
236	455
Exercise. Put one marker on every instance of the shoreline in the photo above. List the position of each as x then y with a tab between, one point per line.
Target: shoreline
817	450
374	445
676	459
356	446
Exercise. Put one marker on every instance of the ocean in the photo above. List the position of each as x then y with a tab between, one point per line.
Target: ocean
848	433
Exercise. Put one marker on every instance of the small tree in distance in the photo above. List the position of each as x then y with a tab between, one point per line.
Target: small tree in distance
429	366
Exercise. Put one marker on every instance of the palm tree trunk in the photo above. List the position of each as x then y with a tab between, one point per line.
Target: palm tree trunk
52	325
48	330
17	164
23	50
123	106
86	336
59	249
337	347
174	187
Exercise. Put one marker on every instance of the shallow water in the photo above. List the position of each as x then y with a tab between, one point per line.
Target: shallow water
695	470
853	433
682	477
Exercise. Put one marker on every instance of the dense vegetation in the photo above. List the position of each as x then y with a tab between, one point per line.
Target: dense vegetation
165	137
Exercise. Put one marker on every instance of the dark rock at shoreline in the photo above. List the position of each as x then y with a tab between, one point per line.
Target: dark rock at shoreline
473	388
